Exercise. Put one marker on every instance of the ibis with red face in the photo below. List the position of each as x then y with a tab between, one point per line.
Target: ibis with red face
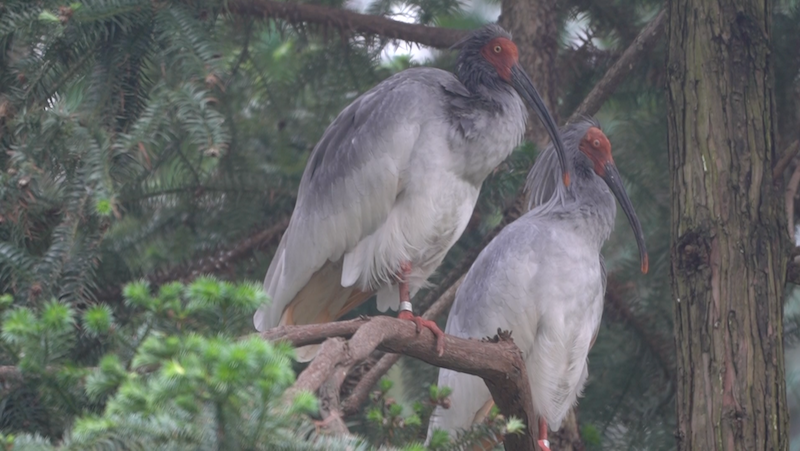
392	183
544	279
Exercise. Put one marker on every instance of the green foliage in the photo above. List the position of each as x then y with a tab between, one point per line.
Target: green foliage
387	422
172	386
492	427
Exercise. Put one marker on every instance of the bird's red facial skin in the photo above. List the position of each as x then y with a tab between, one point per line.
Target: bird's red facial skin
502	54
597	147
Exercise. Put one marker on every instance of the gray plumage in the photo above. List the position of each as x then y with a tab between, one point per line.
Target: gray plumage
393	179
543	278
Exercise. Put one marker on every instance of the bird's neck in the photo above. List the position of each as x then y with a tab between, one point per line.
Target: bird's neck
488	93
588	207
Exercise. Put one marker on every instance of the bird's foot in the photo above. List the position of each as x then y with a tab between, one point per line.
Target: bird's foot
544	445
422	322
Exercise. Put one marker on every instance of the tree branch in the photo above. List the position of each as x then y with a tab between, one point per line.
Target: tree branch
212	263
498	361
360	393
9	374
624	65
347	21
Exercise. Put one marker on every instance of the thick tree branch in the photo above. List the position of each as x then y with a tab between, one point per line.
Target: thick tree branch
306	335
624	65
499	362
352	404
361	391
347	21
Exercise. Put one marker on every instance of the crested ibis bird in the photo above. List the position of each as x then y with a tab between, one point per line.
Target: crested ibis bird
543	278
393	181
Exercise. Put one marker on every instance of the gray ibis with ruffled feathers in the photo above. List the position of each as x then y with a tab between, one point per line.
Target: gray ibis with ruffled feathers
393	181
543	278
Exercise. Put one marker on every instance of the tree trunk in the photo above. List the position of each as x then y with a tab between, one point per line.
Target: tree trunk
728	229
534	26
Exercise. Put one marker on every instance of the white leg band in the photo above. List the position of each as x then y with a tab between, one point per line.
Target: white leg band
405	306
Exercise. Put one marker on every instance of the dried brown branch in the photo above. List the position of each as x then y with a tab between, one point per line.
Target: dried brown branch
330	408
624	65
9	374
499	362
347	22
326	374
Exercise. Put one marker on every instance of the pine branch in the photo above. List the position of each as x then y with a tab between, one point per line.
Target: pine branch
223	258
497	361
210	264
346	21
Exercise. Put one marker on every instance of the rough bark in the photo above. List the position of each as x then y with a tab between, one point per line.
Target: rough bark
497	361
728	228
534	27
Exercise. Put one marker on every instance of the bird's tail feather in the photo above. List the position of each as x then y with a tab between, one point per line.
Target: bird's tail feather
323	299
467	401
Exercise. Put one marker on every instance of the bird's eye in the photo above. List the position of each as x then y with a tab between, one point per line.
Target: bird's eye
497	49
596	143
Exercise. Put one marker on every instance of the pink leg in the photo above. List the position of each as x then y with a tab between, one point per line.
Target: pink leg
544	444
405	270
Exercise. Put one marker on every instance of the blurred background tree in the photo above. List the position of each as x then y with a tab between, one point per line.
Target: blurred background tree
162	140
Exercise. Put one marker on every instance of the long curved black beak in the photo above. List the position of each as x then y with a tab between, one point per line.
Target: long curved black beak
524	86
614	181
